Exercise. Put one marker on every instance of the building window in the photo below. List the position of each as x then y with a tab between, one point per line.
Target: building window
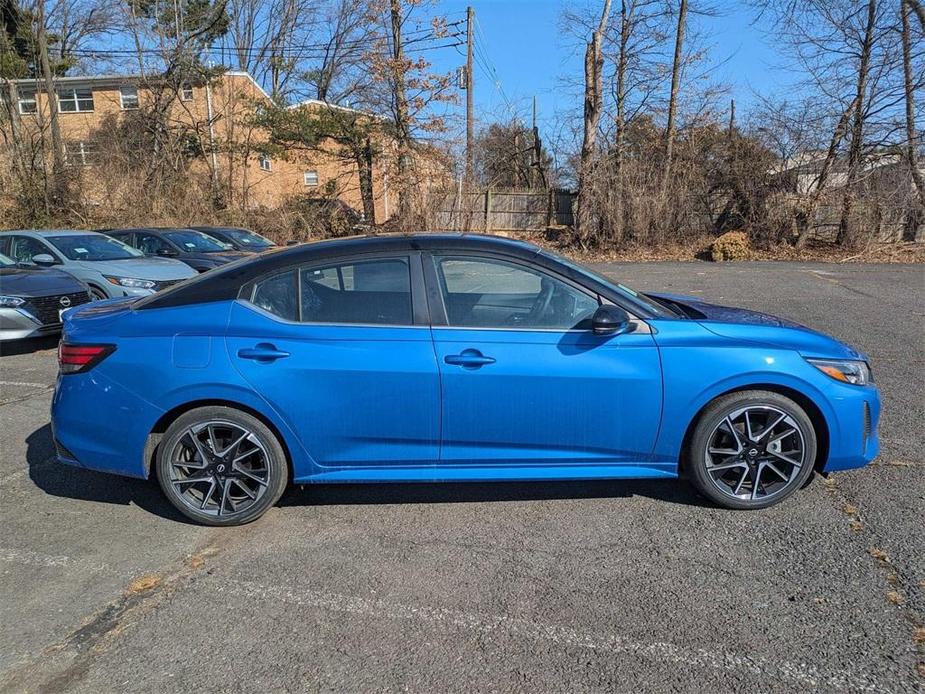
80	153
71	100
310	178
128	98
186	93
27	101
265	163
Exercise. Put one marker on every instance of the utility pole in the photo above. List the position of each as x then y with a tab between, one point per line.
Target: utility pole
470	32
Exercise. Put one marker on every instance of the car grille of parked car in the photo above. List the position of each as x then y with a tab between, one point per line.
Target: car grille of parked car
47	308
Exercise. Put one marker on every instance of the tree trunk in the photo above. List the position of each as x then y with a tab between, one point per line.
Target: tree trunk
805	224
619	144
846	230
592	115
911	154
402	126
365	166
57	144
673	97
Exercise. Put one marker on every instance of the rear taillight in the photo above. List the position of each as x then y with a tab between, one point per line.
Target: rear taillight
74	359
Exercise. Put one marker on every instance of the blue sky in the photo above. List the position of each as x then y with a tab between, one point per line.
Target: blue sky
530	54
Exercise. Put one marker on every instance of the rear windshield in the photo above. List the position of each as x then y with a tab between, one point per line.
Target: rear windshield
93	247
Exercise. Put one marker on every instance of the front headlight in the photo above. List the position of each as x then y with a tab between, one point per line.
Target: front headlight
11	301
845	370
131	282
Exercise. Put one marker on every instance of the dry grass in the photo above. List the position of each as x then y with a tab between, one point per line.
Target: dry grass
144	583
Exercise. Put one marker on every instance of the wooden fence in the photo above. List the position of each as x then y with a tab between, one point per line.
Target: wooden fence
504	210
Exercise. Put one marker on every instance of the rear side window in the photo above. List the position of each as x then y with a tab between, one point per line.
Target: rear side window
369	292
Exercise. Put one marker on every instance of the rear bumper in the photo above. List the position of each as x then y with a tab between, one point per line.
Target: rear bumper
99	425
853	437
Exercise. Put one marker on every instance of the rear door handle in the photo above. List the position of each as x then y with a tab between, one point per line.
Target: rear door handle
264	352
468	357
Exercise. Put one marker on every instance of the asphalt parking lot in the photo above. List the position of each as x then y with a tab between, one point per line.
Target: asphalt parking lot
616	586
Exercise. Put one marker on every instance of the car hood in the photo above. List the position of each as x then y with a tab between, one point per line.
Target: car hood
27	282
140	268
762	328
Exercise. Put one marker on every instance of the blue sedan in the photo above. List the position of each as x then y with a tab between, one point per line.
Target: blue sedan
447	358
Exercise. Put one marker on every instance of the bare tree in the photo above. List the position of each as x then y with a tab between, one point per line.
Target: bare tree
909	93
594	64
676	66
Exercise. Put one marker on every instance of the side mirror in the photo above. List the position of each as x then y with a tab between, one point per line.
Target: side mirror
167	253
44	260
609	320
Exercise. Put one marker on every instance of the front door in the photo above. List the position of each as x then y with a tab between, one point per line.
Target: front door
342	351
526	382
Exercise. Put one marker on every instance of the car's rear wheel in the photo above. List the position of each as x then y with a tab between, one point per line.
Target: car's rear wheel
221	466
751	449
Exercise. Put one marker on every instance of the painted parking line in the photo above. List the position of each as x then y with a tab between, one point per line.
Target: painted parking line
25	384
504	626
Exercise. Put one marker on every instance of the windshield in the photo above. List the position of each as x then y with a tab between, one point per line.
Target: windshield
196	242
93	247
6	262
247	239
631	295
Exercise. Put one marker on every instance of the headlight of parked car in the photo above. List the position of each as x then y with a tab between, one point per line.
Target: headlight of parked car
11	301
131	282
844	370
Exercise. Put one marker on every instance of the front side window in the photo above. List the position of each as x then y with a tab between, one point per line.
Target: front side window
149	244
93	247
72	100
27	103
489	293
369	292
24	248
128	98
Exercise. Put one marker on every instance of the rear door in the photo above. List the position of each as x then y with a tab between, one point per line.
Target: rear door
342	351
525	380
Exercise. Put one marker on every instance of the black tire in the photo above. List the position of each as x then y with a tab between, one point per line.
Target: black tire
97	294
218	427
733	477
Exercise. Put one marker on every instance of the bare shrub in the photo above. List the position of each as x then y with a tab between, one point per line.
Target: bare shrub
733	245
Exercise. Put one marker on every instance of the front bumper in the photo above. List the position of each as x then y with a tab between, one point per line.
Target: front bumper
853	437
17	324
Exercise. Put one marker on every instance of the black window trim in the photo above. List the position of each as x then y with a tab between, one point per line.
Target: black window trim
420	318
438	308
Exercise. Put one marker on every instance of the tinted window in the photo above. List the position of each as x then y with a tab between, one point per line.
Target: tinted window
488	293
5	262
247	239
373	292
149	244
278	296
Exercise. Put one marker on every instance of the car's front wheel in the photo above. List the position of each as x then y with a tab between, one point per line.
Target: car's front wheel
221	466
751	449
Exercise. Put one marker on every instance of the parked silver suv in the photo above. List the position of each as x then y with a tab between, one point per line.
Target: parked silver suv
106	265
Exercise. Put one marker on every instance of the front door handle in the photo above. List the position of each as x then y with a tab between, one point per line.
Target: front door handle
263	352
468	357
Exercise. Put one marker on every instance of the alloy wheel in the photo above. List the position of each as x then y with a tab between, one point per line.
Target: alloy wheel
755	453
219	468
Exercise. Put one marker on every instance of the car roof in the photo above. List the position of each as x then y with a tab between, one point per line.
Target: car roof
44	233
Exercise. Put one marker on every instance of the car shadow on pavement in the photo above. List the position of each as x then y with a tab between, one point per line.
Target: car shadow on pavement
68	481
34	344
670	490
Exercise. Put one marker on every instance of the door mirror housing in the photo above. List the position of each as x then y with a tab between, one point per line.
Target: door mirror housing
167	253
44	260
609	320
